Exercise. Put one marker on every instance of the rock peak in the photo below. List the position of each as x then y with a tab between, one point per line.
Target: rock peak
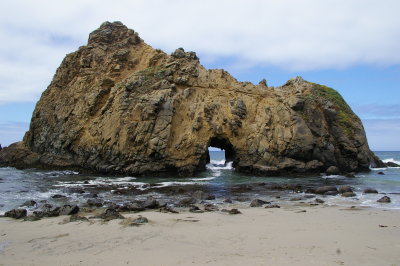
112	32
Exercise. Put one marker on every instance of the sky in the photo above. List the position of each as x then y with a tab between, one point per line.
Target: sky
349	45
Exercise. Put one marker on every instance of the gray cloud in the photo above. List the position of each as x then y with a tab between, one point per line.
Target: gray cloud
295	35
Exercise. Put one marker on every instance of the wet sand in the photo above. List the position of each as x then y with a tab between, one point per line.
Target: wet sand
296	235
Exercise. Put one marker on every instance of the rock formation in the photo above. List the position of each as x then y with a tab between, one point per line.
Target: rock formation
118	106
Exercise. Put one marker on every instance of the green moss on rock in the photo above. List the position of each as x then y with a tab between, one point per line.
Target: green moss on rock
345	116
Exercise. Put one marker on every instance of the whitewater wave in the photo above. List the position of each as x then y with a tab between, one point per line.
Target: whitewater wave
101	181
203	179
219	165
391	160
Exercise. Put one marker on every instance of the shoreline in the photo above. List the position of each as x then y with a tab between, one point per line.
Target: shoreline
291	235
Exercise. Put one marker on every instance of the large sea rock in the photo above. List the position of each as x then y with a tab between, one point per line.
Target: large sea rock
119	106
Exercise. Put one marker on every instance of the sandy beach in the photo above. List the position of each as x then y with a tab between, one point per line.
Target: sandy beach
297	235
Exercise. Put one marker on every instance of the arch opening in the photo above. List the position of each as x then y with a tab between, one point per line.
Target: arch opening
224	145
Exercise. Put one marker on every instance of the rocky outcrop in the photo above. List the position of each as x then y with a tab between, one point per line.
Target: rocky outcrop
119	106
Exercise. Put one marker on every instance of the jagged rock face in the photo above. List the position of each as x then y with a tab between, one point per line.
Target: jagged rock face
119	106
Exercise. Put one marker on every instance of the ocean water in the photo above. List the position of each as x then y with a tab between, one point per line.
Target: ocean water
220	179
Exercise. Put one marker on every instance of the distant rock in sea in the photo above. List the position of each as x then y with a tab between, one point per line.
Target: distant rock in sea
118	106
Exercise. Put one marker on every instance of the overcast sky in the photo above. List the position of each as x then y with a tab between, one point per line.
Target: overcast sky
350	45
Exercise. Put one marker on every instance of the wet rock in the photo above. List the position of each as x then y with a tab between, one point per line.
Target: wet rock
332	170
168	209
392	164
319	201
296	199
195	209
47	210
151	203
370	191
77	218
257	203
186	202
91	195
228	201
384	199
350	175
344	189
325	189
95	202
310	191
210	208
200	195
110	214
29	203
73	190
132	207
349	194
272	206
140	220
68	209
58	196
331	193
381	173
231	211
16	213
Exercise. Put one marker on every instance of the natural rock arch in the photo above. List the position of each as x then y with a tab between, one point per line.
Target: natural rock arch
118	106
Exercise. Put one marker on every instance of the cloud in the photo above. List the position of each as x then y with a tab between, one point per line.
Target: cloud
293	35
11	132
383	134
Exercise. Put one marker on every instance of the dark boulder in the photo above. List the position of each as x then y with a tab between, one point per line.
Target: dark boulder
94	202
47	210
324	189
344	189
319	201
29	203
381	173
58	196
370	191
110	214
201	195
231	211
195	209
210	208
151	203
16	213
69	209
332	170
132	207
140	220
272	206
392	164
350	175
384	199
167	209
228	201
187	201
257	203
349	194
331	193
